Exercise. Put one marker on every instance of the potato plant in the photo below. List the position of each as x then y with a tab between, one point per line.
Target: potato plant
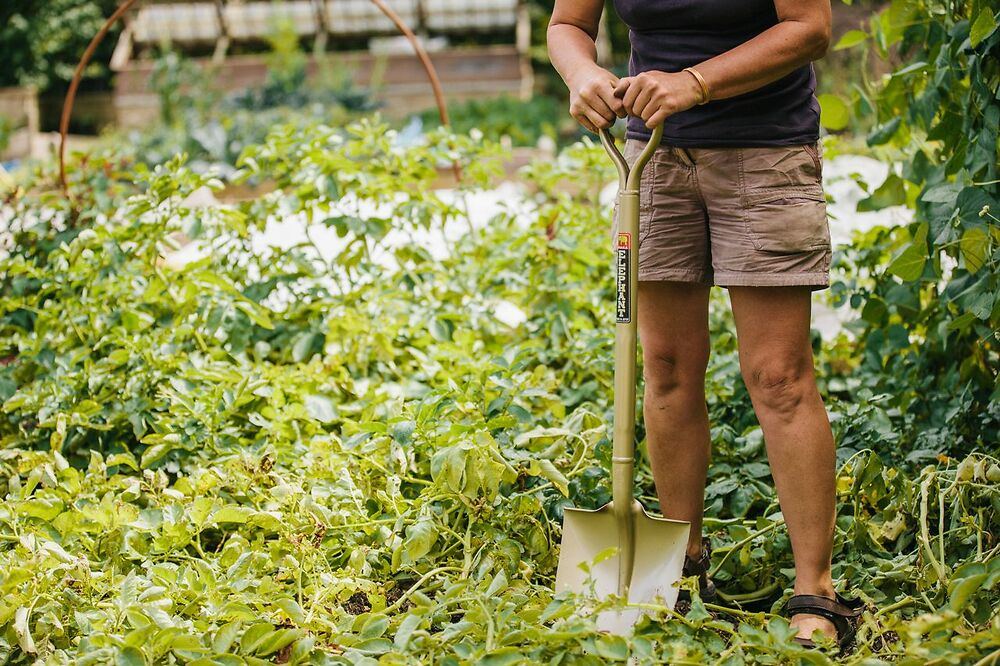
306	454
283	456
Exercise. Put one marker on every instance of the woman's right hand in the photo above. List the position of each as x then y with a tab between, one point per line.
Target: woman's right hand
592	98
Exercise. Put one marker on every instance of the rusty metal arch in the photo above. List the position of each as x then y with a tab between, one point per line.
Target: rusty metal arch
74	85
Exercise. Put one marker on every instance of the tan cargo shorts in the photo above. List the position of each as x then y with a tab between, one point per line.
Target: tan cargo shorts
733	216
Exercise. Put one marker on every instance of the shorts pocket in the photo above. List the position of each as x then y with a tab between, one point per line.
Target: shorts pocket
787	220
815	151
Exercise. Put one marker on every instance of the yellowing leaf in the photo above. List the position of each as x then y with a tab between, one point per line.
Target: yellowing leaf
545	468
974	245
833	112
985	25
375	626
909	265
420	538
232	514
850	38
23	631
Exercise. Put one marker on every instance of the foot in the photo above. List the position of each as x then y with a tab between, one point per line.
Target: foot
807	623
696	563
831	615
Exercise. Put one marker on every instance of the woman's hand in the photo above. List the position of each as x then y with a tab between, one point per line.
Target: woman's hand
653	96
592	99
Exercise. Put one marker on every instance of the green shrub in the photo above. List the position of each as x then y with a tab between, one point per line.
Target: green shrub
42	42
306	455
929	293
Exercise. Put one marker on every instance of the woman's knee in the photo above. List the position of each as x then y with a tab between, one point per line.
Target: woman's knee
668	370
778	385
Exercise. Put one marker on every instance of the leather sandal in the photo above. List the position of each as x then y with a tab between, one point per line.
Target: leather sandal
699	567
843	613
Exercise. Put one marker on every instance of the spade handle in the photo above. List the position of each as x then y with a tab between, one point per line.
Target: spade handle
626	267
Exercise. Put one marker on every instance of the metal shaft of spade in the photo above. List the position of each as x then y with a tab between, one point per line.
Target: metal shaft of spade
623	502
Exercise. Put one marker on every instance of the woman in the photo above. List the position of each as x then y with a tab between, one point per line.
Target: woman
732	197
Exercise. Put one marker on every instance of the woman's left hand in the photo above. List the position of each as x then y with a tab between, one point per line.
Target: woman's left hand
653	95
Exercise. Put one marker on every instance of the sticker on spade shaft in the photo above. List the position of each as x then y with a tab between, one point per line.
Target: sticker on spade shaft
623	299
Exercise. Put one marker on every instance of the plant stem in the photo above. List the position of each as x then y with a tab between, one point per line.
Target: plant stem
925	539
989	659
734	611
756	595
739	544
416	586
902	603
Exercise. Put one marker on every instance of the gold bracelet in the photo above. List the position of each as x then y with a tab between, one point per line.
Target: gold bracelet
705	95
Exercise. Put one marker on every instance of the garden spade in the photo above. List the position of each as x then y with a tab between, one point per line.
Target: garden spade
628	552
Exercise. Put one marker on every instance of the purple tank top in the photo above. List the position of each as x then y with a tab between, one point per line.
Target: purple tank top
669	35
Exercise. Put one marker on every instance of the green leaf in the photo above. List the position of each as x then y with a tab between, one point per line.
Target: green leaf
910	69
22	630
321	408
546	469
963	590
849	39
834	113
130	656
292	610
402	432
909	265
520	413
255	636
942	193
892	192
974	245
226	636
306	345
983	27
374	646
409	624
611	647
43	508
232	514
59	434
277	640
256	313
882	133
156	452
448	467
497	585
505	656
374	626
125	459
420	538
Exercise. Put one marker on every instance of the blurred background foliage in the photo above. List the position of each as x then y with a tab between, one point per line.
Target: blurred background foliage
42	42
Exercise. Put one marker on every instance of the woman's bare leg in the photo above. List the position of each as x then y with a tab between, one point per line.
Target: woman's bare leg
673	329
777	364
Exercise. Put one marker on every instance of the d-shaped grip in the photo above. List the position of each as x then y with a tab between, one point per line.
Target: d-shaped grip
628	179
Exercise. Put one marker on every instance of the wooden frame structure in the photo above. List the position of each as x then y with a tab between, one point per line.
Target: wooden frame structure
215	26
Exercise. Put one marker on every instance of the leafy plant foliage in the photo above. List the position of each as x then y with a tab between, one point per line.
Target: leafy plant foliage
929	293
41	42
342	453
296	455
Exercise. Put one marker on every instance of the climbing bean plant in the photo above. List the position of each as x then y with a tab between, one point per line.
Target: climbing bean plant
929	292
